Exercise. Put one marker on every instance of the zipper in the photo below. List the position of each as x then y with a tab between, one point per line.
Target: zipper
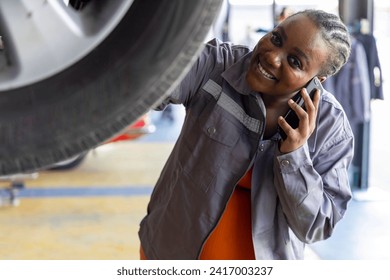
261	132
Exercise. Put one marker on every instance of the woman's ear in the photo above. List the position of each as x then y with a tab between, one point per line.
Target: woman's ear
322	78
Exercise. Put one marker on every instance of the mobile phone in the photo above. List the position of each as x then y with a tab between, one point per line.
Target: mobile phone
291	117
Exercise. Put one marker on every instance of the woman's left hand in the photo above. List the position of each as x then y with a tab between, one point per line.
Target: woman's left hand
307	122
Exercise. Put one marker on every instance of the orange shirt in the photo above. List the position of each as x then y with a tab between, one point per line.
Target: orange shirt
232	237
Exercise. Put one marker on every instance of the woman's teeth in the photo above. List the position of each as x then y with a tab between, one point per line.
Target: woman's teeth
265	73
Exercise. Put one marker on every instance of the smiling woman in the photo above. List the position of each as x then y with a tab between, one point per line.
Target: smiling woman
232	187
78	73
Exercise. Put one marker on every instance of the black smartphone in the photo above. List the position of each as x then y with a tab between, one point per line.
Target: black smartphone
291	117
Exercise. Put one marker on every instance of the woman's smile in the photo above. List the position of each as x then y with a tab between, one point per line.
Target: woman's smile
264	72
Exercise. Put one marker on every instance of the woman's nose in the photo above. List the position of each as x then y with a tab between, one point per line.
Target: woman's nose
274	59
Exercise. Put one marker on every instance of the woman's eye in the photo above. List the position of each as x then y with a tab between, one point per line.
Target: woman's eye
294	62
275	39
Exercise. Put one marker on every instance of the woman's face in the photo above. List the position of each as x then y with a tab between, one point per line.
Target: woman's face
285	59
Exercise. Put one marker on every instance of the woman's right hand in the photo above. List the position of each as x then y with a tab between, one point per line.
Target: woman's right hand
307	122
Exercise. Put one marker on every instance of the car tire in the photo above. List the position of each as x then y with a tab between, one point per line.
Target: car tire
74	109
70	163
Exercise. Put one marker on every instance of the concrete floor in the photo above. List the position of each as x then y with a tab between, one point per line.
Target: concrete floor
91	212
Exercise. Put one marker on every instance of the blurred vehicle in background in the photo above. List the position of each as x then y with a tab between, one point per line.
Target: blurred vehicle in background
143	126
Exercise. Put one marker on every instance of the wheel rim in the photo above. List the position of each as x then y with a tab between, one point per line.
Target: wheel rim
33	32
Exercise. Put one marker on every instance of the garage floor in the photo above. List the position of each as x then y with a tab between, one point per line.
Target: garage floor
91	212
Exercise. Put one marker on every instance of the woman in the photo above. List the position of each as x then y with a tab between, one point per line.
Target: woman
232	188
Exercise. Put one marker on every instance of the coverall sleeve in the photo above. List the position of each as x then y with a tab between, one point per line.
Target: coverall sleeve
195	77
314	190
